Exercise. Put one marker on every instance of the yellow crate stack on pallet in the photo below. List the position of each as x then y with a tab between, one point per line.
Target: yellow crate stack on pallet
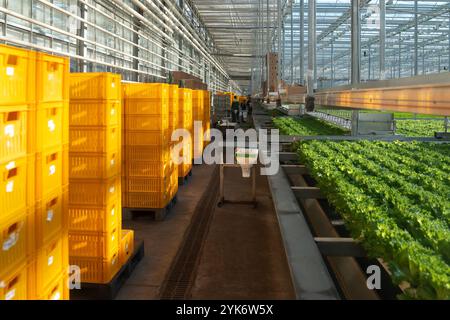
197	116
185	122
173	125
95	208
33	189
206	117
147	146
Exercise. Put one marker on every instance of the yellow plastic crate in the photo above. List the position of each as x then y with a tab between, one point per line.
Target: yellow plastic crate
147	153
94	165
147	138
49	126
16	186
96	86
146	122
154	200
51	260
95	139
147	184
65	155
49	171
95	112
13	132
16	239
14	284
96	218
94	244
142	168
57	289
52	78
17	76
95	192
51	216
126	245
153	91
155	107
97	270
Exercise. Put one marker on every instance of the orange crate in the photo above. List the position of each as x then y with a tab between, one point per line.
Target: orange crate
51	216
95	112
95	139
95	192
14	284
51	260
52	78
153	91
46	127
155	107
126	245
16	186
154	200
140	184
147	138
94	244
155	153
97	270
94	165
97	86
58	289
49	171
16	239
184	169
146	122
140	168
96	218
13	132
17	76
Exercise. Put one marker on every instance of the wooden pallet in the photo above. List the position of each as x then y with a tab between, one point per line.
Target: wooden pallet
184	180
108	291
158	213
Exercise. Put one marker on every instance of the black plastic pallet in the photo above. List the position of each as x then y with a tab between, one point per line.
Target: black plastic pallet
158	213
108	291
184	180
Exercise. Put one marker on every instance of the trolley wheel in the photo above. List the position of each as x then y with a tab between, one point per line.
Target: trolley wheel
220	204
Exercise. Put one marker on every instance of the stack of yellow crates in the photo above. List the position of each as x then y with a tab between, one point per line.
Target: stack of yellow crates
185	122
17	99
173	125
95	209
51	145
147	146
206	117
197	115
33	185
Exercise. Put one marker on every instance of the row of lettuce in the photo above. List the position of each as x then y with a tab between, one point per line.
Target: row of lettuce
408	124
394	198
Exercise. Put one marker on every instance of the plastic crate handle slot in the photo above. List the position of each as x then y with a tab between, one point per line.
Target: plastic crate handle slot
11	63
55	295
52	168
11	237
10	175
50	211
113	160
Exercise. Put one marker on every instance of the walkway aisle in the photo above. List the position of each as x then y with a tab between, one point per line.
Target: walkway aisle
243	257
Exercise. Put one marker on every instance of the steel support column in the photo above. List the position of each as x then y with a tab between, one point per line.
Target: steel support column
356	42
382	39
279	21
416	38
311	74
302	38
292	48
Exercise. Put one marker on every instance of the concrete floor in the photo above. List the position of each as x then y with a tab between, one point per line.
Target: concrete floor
243	256
162	239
